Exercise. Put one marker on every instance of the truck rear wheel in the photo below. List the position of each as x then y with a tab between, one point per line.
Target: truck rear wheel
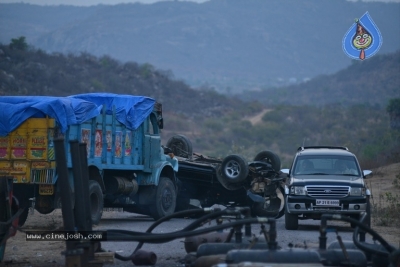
165	200
96	201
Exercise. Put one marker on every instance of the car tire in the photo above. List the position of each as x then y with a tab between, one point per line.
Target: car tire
96	201
269	157
226	184
234	169
180	146
260	210
291	221
165	199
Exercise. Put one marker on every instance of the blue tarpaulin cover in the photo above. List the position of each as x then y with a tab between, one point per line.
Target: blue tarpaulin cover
130	110
14	110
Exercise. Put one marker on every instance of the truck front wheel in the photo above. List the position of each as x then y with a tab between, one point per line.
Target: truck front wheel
96	201
165	200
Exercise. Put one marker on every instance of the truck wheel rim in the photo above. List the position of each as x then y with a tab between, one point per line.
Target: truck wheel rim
166	199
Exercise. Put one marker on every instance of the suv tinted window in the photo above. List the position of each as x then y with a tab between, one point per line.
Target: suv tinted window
326	164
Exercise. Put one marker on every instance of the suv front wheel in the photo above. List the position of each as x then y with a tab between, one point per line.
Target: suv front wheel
291	221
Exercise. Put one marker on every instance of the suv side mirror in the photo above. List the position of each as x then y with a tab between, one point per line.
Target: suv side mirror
366	173
285	171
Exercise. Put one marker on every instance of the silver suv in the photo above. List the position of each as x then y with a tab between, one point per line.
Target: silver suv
325	179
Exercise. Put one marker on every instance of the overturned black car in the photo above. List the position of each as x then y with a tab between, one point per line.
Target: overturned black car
231	181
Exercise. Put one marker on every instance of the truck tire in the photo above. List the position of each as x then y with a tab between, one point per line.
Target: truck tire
291	221
165	199
45	204
269	157
22	217
96	201
234	169
180	146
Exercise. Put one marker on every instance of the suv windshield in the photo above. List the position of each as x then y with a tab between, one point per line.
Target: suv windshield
326	165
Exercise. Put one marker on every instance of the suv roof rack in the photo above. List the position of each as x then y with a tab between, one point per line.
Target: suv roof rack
314	147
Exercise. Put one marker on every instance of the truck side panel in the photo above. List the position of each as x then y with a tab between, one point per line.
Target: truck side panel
27	153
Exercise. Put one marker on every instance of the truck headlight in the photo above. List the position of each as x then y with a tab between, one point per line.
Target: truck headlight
357	191
297	190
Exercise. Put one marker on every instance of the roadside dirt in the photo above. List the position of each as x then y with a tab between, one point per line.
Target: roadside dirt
20	252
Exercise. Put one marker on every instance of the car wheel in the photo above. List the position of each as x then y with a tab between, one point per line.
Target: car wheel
274	206
226	184
291	221
165	199
269	157
234	169
96	201
180	146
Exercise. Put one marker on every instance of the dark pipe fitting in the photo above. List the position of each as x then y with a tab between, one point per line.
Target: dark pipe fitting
265	233
193	242
208	261
272	244
238	234
143	257
322	232
229	237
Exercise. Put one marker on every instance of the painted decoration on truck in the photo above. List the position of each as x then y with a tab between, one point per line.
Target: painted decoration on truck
128	147
38	147
50	149
3	147
98	143
118	144
109	140
18	146
85	138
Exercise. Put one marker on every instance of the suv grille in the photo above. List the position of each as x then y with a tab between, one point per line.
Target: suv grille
327	191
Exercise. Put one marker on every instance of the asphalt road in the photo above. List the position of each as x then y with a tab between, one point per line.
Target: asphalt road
173	253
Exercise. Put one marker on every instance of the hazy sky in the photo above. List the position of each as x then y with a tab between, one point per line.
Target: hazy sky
114	2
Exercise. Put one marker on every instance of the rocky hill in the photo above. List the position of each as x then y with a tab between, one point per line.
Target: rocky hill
373	81
35	72
216	124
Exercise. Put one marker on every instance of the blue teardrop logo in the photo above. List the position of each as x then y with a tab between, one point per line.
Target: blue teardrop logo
363	39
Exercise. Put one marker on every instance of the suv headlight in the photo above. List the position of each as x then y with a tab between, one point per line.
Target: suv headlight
298	190
357	191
